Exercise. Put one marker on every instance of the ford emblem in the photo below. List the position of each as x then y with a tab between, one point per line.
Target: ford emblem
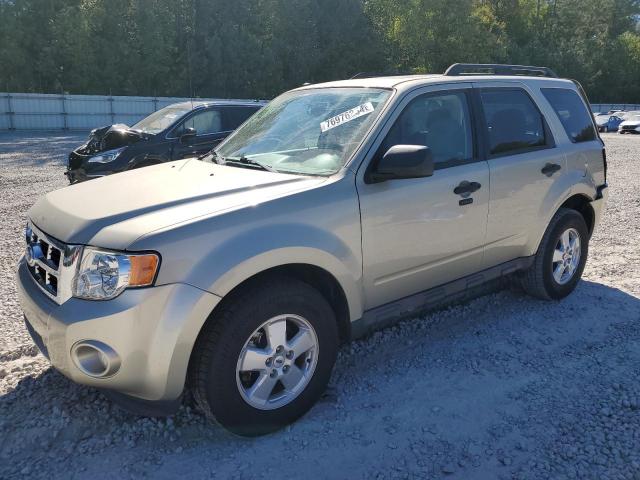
33	253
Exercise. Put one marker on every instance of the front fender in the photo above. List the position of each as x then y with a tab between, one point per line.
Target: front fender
253	252
145	160
318	226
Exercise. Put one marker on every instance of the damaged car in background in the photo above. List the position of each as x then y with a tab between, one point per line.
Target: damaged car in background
181	130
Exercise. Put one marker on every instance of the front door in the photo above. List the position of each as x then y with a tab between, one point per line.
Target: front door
208	126
420	233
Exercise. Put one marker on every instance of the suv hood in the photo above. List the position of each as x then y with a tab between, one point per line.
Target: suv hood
113	211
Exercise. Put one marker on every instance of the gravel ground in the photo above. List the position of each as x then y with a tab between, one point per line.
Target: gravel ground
502	387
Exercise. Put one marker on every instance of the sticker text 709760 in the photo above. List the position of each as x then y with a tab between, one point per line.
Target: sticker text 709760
347	116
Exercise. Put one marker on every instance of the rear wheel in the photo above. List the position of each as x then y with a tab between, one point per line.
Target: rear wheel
265	357
561	257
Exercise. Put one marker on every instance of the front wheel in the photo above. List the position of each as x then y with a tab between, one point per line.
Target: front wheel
265	357
561	257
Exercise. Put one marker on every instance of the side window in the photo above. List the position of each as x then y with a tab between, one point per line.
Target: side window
439	121
572	112
514	123
204	122
233	117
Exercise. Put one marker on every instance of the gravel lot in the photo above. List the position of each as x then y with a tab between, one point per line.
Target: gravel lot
503	387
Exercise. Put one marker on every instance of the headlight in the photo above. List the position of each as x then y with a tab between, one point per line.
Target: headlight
103	275
106	157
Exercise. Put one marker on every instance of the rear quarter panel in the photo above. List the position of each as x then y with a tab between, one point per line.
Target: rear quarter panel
584	168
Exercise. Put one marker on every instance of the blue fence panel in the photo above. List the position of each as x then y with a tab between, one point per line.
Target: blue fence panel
31	111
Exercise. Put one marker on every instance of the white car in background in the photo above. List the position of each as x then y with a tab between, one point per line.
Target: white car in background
630	125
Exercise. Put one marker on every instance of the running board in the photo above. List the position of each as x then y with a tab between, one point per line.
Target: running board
461	290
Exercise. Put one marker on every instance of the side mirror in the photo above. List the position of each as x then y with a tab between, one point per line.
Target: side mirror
188	134
403	161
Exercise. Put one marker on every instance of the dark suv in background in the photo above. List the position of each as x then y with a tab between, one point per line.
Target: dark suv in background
177	131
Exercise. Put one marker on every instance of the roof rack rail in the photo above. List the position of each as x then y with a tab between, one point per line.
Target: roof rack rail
458	69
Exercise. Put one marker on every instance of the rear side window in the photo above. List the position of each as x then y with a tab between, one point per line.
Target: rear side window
233	117
514	123
572	112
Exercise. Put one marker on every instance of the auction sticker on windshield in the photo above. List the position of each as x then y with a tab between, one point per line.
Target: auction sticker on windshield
347	116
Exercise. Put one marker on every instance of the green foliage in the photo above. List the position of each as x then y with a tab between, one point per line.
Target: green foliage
258	48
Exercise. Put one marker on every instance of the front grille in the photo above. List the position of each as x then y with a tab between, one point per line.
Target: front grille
629	127
43	260
51	263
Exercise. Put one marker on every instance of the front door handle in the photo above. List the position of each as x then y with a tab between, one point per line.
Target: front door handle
465	188
550	168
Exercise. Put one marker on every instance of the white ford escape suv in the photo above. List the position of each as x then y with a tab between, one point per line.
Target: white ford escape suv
336	209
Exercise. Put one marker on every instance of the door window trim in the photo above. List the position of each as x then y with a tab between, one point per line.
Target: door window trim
484	129
373	155
190	115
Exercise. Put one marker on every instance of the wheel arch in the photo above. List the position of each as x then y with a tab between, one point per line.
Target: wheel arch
319	278
582	204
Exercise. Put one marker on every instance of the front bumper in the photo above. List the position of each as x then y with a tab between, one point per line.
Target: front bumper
152	330
76	171
79	175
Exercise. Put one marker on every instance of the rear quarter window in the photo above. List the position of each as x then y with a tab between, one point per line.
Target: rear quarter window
572	112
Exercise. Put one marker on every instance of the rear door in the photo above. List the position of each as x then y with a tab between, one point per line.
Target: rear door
419	233
525	168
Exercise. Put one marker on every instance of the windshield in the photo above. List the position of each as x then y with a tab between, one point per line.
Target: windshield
309	132
158	121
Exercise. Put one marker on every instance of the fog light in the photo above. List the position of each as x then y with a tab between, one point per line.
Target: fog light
95	358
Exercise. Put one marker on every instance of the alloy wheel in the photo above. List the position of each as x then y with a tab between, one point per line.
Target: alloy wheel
277	362
566	256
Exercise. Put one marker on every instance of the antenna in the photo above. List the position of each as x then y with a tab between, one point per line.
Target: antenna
189	72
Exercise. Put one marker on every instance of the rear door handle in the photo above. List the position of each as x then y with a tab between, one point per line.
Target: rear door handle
466	188
550	168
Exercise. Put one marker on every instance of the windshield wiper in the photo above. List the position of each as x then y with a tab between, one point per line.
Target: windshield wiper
205	155
249	161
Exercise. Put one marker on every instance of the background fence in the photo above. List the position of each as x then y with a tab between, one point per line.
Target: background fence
35	111
32	111
605	107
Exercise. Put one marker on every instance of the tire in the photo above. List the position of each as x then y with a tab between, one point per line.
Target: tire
223	393
539	280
